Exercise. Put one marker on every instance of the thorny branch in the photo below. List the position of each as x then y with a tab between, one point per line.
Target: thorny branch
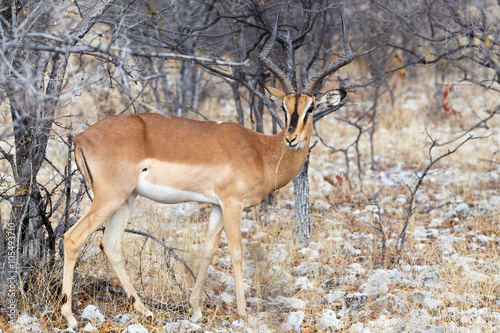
65	49
378	227
165	246
410	210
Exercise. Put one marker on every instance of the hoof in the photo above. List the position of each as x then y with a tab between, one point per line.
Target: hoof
149	316
71	330
196	317
251	321
72	325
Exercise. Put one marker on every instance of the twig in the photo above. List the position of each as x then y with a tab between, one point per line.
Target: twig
377	226
165	246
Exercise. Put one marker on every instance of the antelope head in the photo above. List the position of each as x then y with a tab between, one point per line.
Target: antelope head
299	107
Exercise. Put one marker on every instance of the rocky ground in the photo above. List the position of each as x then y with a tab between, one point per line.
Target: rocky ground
447	278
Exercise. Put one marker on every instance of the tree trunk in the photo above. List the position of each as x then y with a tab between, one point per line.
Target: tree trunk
302	210
237	101
187	87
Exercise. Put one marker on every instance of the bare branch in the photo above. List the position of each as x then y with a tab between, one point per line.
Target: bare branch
413	191
165	246
333	67
287	85
67	49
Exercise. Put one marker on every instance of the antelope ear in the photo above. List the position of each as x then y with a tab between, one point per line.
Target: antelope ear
330	99
274	95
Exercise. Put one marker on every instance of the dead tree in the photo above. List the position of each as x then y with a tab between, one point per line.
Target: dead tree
34	58
33	83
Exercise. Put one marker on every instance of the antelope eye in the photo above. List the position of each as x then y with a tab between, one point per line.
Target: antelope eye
311	109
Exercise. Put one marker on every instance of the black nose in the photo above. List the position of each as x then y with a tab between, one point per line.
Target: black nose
291	140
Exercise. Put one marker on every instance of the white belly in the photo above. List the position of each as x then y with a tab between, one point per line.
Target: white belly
169	195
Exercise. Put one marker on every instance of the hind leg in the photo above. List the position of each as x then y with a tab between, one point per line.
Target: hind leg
214	230
111	246
74	238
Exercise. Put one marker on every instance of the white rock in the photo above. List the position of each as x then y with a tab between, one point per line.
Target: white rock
393	303
419	233
225	262
312	269
280	287
429	277
226	298
303	283
317	246
89	328
259	235
135	328
432	303
483	240
263	328
372	208
309	253
92	314
420	316
452	313
182	326
356	301
278	256
493	175
418	296
450	215
239	323
356	268
435	222
121	319
249	268
335	297
384	324
255	301
401	200
358	328
26	324
469	317
462	210
428	328
222	277
378	282
446	243
328	320
494	202
321	205
496	318
247	225
422	199
294	321
286	303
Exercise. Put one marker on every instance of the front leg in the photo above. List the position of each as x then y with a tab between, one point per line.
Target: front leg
232	225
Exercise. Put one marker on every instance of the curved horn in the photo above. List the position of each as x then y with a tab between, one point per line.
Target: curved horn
262	56
349	57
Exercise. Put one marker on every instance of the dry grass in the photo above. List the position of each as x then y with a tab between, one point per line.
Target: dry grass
469	276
